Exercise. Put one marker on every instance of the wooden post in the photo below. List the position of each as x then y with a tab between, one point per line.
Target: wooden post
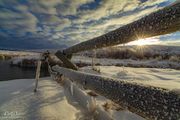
66	62
37	75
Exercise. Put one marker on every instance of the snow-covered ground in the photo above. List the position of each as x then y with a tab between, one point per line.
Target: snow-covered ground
17	100
18	53
165	78
153	63
53	101
77	59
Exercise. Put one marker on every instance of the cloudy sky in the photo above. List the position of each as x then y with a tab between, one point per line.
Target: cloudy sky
40	24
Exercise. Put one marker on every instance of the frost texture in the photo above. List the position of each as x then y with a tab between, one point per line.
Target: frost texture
162	22
147	101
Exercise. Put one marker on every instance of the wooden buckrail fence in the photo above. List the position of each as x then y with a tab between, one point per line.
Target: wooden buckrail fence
147	101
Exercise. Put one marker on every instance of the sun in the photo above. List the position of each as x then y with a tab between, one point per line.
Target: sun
143	42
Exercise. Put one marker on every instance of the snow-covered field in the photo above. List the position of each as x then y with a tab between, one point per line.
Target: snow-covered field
55	101
127	62
18	101
65	101
165	78
18	53
145	63
51	102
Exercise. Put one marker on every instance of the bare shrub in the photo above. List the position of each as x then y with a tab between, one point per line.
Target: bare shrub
174	58
7	57
159	58
2	57
135	53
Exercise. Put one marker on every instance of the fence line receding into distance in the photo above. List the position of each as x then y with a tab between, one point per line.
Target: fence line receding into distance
149	102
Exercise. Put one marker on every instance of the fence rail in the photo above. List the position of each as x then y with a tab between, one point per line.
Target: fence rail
164	21
147	101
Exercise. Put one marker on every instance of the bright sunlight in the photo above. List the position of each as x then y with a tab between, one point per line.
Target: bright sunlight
147	41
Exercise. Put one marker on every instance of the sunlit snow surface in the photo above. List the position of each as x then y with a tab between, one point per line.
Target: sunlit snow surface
53	102
48	103
165	78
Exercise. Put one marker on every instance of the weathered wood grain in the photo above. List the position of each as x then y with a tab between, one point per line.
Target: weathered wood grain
146	101
66	62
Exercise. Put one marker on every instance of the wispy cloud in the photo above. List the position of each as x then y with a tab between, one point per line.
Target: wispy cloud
55	23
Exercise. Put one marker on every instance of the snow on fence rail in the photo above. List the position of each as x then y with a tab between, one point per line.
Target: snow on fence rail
146	101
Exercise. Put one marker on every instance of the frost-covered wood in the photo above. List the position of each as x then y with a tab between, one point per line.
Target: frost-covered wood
66	63
164	21
88	103
37	75
147	101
